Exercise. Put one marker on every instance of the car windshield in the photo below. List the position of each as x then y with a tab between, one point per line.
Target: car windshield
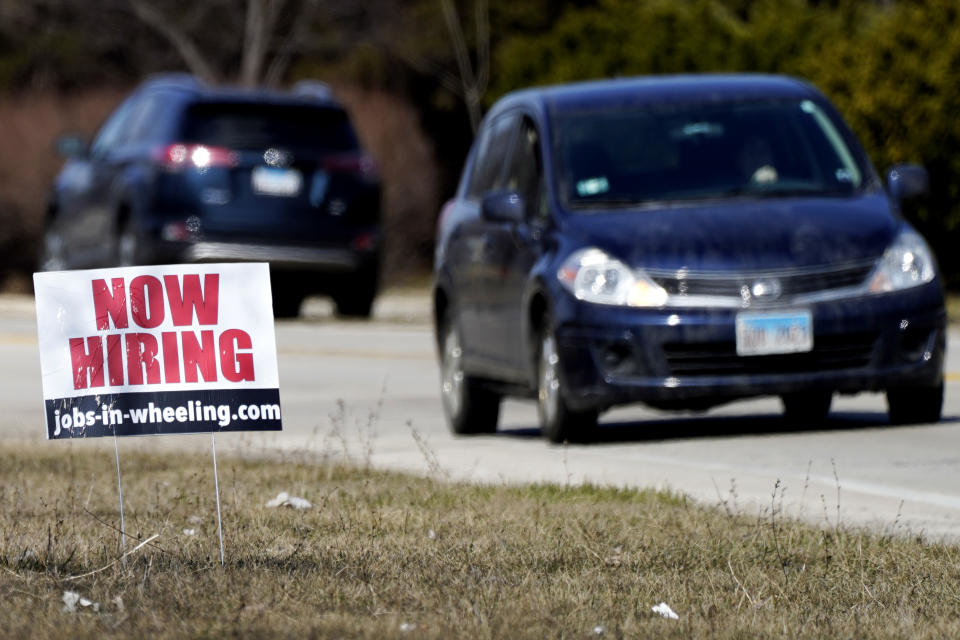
255	126
629	155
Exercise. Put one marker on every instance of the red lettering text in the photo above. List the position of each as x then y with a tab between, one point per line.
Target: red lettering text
110	304
183	304
146	301
142	354
199	358
234	365
86	360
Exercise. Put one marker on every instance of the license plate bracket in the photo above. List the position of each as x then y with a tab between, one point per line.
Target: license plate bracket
274	181
774	332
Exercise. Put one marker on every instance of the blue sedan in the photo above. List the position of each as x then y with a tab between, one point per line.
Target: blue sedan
683	242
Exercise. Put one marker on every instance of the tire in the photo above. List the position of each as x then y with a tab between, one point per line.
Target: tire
807	406
354	304
470	407
127	249
286	304
558	422
354	299
53	257
915	405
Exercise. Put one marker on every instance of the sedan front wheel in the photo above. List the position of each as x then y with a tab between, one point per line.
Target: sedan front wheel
469	406
915	405
557	421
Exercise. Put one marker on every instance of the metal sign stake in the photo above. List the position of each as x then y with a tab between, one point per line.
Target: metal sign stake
216	485
123	530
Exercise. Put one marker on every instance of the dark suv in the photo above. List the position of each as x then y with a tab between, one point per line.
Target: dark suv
182	172
683	242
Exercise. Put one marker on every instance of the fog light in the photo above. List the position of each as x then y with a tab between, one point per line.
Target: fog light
618	358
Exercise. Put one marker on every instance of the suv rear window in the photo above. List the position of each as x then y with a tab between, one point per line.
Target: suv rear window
255	126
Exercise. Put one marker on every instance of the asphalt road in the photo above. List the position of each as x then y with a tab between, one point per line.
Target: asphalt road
368	392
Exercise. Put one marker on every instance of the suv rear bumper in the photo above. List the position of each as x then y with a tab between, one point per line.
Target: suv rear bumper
279	256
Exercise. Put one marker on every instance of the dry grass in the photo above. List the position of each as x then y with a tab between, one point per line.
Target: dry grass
384	555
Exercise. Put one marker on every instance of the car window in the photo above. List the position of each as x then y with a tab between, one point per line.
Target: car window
494	145
525	170
260	125
149	120
699	151
112	132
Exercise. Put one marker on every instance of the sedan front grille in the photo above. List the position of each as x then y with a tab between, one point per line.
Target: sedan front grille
830	353
792	283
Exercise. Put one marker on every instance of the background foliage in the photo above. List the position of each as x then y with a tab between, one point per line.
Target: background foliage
891	66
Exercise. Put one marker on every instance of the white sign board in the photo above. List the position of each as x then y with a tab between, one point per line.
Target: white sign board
159	349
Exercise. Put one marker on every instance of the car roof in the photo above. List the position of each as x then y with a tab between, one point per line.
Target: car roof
659	90
306	93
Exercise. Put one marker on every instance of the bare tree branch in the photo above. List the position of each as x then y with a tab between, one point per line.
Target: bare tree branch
261	18
448	80
460	51
473	81
184	46
291	43
481	8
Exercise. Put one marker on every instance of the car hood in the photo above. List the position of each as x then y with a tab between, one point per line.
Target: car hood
743	235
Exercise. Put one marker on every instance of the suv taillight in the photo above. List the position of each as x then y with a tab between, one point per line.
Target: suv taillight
179	156
360	164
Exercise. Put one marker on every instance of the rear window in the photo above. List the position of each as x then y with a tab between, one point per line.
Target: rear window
255	126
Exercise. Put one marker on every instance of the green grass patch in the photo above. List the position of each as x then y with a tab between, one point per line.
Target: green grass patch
385	555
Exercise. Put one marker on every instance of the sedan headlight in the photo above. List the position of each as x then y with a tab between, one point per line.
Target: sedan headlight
593	276
908	262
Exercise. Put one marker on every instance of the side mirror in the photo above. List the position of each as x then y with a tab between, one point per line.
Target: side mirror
72	146
907	182
503	206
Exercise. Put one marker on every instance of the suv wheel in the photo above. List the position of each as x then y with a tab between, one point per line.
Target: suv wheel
53	258
286	304
128	245
354	299
557	421
807	406
469	406
354	304
915	405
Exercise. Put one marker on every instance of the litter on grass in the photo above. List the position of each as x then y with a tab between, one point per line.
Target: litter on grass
72	600
615	559
664	610
189	532
284	499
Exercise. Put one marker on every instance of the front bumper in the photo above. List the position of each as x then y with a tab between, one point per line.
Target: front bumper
686	357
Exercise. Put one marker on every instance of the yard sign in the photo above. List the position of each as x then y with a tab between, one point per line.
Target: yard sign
157	350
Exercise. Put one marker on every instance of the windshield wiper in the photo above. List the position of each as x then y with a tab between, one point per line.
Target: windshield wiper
611	202
754	192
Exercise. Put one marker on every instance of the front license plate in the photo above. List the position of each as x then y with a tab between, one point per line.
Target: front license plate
270	181
761	333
